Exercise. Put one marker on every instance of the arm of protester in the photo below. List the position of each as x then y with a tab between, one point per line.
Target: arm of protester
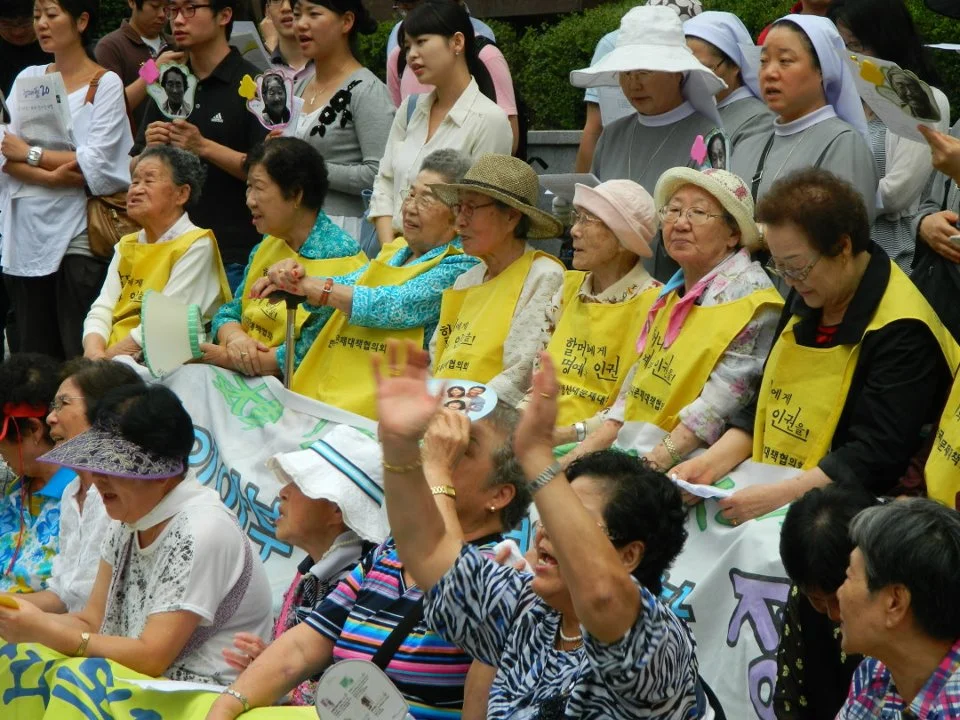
588	139
45	600
186	136
406	409
299	653
476	691
247	647
733	447
64	176
606	599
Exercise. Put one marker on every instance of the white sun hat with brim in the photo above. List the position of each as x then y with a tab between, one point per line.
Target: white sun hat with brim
344	467
726	32
652	39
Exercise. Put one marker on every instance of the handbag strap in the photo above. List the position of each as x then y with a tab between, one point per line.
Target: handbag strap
389	647
92	87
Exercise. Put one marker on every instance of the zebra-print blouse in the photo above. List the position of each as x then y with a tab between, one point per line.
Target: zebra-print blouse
493	614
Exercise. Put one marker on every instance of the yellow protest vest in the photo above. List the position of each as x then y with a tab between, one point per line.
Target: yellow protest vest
593	347
475	321
267	322
337	368
147	266
667	380
804	389
943	466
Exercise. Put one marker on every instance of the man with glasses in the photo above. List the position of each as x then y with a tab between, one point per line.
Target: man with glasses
137	40
18	43
219	129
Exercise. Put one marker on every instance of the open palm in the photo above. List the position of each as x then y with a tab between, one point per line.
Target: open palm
405	405
540	416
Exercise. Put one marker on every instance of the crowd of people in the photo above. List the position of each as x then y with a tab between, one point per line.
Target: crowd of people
772	303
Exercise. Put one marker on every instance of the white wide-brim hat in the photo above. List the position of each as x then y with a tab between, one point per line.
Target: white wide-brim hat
652	39
344	467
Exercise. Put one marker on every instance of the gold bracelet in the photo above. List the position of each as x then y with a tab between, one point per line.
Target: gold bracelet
672	449
448	490
400	469
84	640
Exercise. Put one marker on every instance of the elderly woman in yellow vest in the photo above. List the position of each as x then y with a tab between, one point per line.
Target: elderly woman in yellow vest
170	255
599	312
286	186
494	319
703	342
861	363
396	296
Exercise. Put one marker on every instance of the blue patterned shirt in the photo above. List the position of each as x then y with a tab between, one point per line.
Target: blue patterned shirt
415	303
325	241
874	696
492	613
30	532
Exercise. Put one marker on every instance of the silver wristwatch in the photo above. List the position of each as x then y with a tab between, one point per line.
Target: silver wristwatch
33	156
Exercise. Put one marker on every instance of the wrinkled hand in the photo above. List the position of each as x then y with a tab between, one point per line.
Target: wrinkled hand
158	133
171	56
186	136
404	404
937	229
945	151
535	431
755	501
287	275
21	625
14	148
243	353
127	346
214	355
447	438
248	648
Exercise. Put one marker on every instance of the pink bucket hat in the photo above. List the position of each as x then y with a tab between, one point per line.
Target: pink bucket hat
625	207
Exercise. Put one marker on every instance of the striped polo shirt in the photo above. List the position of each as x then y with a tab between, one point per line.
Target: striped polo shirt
364	609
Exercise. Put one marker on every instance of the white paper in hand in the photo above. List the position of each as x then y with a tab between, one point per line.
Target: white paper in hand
358	690
702	491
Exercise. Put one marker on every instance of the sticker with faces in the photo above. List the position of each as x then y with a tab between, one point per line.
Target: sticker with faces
475	399
172	87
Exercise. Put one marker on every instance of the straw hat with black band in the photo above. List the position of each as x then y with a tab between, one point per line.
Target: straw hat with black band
510	181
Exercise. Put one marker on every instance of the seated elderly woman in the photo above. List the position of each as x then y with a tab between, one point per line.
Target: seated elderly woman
703	342
178	576
585	635
396	296
813	675
599	312
861	363
898	607
494	318
170	255
30	490
325	510
472	466
286	186
83	518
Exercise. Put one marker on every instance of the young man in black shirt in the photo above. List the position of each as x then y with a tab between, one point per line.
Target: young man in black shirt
220	129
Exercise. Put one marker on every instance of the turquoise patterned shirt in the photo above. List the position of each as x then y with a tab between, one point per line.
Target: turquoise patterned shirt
415	303
27	550
325	241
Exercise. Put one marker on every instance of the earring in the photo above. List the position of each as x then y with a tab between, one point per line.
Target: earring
492	509
457	53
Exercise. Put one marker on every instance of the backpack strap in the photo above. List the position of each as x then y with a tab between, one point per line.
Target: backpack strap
412	99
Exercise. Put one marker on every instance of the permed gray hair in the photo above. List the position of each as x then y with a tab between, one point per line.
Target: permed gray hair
185	168
448	163
506	467
915	543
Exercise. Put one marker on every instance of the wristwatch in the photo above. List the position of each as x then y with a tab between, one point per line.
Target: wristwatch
33	156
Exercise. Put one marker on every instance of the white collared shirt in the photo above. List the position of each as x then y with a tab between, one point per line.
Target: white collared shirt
75	566
804	123
475	125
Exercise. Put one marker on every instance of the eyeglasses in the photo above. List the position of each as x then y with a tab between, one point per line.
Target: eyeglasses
423	200
188	11
790	274
694	216
585	219
60	400
468	210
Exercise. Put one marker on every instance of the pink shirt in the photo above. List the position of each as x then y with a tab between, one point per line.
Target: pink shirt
490	55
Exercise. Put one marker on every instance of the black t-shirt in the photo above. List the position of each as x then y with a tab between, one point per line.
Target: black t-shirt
14	58
221	115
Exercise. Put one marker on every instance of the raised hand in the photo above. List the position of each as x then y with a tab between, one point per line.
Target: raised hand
536	428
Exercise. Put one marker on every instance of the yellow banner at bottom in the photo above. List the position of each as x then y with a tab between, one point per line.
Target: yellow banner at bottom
37	683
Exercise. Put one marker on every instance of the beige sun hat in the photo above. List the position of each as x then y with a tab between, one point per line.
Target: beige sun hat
728	189
509	180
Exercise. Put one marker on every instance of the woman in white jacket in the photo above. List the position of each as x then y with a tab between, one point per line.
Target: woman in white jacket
884	29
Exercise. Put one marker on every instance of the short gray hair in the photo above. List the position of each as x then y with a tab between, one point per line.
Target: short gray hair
915	543
506	467
448	163
185	168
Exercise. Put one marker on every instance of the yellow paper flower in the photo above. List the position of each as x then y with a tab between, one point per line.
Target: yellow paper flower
871	73
248	88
